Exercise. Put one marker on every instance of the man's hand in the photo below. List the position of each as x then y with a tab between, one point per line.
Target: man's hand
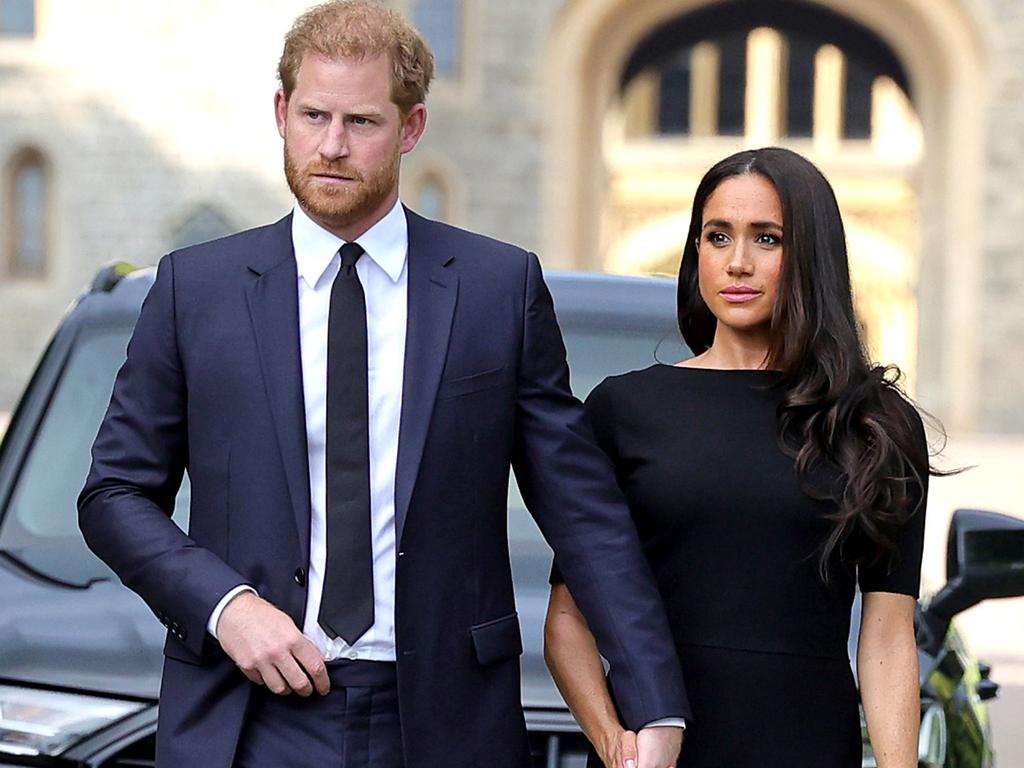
267	646
658	746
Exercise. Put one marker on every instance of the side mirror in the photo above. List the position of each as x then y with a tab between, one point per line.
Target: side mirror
984	560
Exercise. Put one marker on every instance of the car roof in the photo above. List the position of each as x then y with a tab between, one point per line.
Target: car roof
587	298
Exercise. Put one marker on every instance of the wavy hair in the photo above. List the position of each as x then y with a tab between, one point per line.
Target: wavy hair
838	412
357	29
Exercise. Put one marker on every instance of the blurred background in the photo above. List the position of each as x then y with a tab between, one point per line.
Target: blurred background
577	128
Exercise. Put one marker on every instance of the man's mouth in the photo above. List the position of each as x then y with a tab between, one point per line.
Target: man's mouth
332	178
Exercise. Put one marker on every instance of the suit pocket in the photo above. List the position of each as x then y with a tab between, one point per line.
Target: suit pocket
497	640
465	385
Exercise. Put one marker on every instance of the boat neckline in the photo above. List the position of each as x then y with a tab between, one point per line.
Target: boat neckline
719	370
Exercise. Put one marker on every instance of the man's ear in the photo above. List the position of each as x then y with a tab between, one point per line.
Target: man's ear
281	110
413	125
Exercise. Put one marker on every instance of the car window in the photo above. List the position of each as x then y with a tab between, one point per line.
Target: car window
593	355
40	527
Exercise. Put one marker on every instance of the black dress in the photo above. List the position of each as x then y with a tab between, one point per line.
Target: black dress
734	544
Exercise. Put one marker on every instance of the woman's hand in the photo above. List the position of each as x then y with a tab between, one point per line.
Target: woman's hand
618	749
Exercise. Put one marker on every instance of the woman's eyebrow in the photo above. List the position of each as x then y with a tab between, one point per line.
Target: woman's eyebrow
716	223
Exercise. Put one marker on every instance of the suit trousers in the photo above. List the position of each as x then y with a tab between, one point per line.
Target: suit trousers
356	725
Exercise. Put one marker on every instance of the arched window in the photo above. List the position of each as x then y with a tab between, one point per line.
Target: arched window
707	70
440	21
675	93
17	18
205	223
26	217
800	74
432	199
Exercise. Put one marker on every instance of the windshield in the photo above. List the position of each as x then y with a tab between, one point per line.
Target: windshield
40	528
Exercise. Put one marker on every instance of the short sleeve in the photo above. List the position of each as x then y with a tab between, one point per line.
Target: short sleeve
904	576
598	408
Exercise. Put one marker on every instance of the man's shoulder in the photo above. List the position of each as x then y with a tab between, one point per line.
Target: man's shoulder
251	245
465	243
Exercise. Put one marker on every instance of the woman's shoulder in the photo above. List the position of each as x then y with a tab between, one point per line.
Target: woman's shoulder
629	383
622	388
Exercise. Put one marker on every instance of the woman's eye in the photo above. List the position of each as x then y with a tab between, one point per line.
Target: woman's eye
717	238
766	238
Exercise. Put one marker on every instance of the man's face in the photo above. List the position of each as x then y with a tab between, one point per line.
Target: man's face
343	140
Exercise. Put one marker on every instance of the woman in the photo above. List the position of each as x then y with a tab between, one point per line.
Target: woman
767	476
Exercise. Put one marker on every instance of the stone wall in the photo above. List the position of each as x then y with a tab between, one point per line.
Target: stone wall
1000	333
146	113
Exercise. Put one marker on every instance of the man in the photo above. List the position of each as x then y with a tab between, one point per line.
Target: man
347	389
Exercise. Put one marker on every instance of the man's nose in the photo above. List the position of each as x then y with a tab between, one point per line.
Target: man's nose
335	142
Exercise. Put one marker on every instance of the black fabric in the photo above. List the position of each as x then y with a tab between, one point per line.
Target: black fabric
734	544
346	609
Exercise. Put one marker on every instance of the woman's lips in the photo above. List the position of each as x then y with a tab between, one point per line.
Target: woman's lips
739	295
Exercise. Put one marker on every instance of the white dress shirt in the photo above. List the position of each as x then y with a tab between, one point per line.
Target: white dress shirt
384	277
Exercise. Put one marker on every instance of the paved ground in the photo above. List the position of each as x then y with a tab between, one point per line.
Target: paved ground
1008	725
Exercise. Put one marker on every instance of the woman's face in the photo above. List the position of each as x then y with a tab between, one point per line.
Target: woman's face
740	252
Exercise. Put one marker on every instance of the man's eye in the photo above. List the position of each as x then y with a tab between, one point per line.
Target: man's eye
312	114
361	120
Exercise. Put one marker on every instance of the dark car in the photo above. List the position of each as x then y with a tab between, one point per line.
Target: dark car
80	655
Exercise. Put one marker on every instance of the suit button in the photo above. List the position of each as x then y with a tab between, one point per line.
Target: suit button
300	577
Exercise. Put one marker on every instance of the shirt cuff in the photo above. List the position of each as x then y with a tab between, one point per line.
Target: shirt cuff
671	722
211	625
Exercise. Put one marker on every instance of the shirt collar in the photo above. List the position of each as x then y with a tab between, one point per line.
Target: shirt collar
386	243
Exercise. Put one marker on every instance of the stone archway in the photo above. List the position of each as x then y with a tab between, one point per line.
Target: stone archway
942	49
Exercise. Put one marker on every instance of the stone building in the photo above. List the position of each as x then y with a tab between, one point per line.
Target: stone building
578	128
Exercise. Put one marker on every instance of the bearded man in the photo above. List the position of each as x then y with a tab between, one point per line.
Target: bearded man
347	389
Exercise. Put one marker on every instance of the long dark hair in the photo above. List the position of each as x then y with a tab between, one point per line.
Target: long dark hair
838	411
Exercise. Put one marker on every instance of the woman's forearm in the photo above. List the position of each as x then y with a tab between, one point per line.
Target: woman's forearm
887	667
572	656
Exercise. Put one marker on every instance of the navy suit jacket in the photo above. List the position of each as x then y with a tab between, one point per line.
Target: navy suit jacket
213	385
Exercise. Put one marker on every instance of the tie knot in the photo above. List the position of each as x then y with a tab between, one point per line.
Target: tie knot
350	253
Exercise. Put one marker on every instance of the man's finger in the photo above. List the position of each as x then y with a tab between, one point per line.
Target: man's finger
295	676
312	663
274	682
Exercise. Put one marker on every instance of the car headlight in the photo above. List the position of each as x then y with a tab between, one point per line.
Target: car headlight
38	722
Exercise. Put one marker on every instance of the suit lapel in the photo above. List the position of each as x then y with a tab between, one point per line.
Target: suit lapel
274	309
433	289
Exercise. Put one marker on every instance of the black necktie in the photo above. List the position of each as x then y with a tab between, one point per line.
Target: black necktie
346	607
